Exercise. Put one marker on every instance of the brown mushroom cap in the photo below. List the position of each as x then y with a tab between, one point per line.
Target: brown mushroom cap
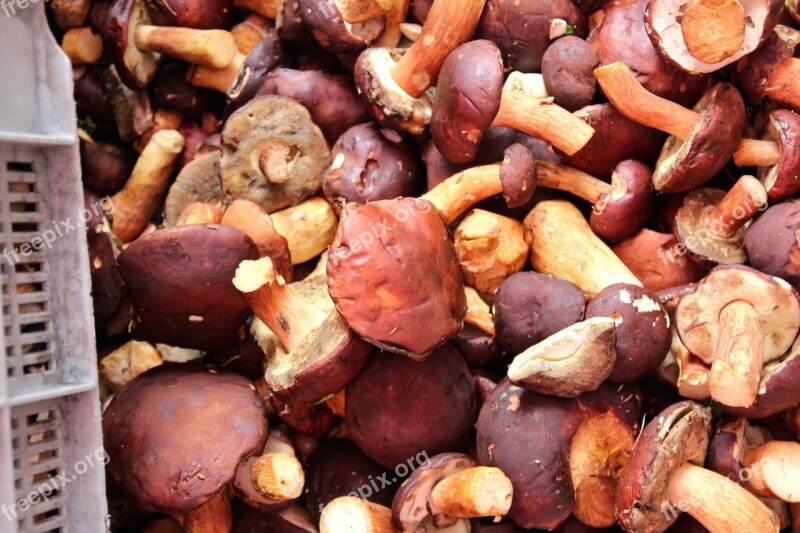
332	32
632	200
772	242
397	407
753	70
199	14
177	433
136	68
643	329
568	69
775	302
686	164
467	99
198	181
266	55
677	436
105	167
266	122
782	180
404	252
180	282
518	175
727	448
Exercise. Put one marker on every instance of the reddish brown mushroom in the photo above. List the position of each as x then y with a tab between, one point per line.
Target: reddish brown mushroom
334	26
568	69
771	242
199	14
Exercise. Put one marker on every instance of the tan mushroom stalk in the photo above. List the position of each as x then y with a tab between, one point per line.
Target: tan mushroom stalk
737	207
308	227
636	103
773	470
354	514
278	477
478	312
199	213
266	8
211	48
571	180
362	10
220	80
472	493
395	18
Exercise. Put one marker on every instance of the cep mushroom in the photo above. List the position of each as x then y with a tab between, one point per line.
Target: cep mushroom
568	70
771	242
343	26
664	477
470	97
737	320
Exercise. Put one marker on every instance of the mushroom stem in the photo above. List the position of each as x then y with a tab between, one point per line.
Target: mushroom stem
212	48
220	80
693	374
308	227
478	313
774	470
267	8
461	191
199	213
756	153
784	84
449	24
395	18
472	493
738	356
354	514
284	311
544	120
360	10
275	162
718	503
571	180
213	517
594	502
713	30
278	477
739	205
83	46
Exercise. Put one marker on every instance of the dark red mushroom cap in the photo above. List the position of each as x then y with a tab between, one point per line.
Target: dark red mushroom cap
568	70
267	54
180	281
331	31
686	164
467	99
643	329
727	448
136	68
782	181
772	242
200	14
176	434
627	208
753	70
518	175
397	407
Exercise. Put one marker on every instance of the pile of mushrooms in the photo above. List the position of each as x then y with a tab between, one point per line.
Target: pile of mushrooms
417	266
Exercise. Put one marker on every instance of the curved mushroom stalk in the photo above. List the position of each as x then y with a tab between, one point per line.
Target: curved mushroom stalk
212	48
774	470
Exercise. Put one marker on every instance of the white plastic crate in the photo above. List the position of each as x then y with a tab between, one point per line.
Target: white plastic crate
49	411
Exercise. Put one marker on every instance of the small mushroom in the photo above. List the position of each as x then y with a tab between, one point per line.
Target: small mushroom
83	46
172	91
663	478
771	242
338	31
470	97
272	153
568	68
137	68
105	167
737	319
69	13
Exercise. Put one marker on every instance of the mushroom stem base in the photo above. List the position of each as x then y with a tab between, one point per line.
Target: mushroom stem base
213	517
774	470
354	514
472	493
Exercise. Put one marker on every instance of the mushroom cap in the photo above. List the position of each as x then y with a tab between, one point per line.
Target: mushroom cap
180	281
172	91
521	30
105	167
391	106
313	419
404	252
135	67
772	242
529	307
410	505
265	122
177	433
371	164
331	31
568	69
198	181
108	287
467	99
686	164
398	407
621	213
266	55
775	302
782	181
662	22
727	448
289	23
677	436
477	347
643	329
752	70
518	175
199	14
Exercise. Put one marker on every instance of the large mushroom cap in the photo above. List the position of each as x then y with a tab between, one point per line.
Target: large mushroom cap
177	433
686	164
677	436
775	302
467	99
782	180
772	242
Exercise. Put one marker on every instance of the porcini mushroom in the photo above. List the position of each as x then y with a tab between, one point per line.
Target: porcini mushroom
337	28
250	219
771	242
198	181
354	515
199	14
568	70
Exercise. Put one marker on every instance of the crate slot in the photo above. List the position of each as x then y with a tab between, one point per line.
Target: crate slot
19	166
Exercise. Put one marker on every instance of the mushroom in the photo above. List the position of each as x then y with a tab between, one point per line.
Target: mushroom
105	167
771	241
393	83
198	181
250	31
662	479
710	224
470	97
701	140
395	18
681	31
322	353
83	46
336	27
447	488
128	362
355	515
568	69
272	153
69	13
295	519
397	407
308	227
738	319
195	427
172	91
108	287
136	68
199	14
754	72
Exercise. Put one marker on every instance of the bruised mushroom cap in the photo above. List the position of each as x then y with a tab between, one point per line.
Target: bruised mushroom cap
568	70
467	99
686	164
775	302
622	212
404	252
643	329
518	175
332	32
370	164
198	181
410	506
263	123
135	67
177	433
772	242
180	282
529	307
267	54
753	70
200	14
521	30
662	20
397	407
388	102
677	436
782	180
